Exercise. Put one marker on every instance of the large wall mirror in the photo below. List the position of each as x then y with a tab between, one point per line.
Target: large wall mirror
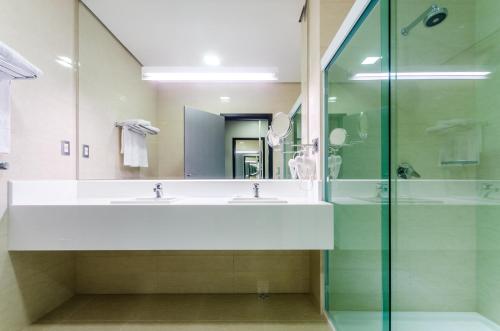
186	89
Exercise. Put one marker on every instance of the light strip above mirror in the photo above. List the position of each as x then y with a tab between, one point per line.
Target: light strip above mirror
453	75
205	74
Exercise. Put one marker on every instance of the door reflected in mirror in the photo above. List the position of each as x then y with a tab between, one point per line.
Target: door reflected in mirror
249	160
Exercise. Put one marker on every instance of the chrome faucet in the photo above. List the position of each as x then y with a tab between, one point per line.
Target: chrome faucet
256	190
382	190
487	189
158	189
406	171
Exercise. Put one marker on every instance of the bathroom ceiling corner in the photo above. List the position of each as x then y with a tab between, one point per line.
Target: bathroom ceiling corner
252	33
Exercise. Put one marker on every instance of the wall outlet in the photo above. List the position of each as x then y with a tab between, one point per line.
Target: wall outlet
86	151
65	148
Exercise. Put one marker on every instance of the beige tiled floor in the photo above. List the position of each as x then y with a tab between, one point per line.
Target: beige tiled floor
279	312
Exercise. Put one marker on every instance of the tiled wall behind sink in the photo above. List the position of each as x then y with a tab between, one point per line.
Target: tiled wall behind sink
193	272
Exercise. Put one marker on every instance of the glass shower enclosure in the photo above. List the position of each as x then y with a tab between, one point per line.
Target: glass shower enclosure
413	167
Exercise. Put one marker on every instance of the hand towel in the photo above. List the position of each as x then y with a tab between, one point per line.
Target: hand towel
134	149
4	116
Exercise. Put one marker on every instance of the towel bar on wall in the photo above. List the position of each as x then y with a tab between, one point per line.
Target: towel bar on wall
136	127
14	71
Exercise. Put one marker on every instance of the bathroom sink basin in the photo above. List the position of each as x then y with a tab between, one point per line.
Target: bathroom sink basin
250	200
142	201
403	200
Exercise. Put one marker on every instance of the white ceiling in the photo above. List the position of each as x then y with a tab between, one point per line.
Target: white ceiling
256	33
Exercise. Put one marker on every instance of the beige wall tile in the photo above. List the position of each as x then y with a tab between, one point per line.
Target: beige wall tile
193	272
116	282
271	263
43	114
196	282
332	15
272	282
201	264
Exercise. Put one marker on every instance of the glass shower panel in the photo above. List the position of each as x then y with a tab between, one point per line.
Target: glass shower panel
357	282
445	235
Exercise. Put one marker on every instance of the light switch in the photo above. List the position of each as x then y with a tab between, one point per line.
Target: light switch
65	148
86	151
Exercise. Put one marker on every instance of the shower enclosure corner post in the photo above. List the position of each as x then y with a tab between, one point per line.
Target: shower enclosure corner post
386	161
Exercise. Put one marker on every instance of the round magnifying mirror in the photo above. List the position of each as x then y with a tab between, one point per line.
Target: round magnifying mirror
281	125
338	137
363	126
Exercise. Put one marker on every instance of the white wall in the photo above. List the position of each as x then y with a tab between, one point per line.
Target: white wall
110	90
43	114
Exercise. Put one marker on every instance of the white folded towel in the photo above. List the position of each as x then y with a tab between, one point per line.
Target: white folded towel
135	122
14	65
4	116
152	128
134	149
13	58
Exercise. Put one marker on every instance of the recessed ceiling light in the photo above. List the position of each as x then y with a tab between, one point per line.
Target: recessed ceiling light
332	99
371	60
225	99
204	74
211	60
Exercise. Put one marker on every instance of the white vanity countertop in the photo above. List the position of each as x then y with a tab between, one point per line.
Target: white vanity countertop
106	215
187	192
179	201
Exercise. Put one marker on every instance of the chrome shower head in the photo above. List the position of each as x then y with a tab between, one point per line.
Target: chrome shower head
433	16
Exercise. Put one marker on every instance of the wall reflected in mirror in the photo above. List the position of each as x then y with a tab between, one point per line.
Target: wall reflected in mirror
198	121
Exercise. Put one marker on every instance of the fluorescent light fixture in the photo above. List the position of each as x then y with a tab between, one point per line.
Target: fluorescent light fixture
211	60
247	152
65	61
431	75
332	99
205	74
371	60
225	99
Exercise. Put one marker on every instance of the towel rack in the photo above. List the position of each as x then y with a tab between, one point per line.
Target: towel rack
136	127
14	71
